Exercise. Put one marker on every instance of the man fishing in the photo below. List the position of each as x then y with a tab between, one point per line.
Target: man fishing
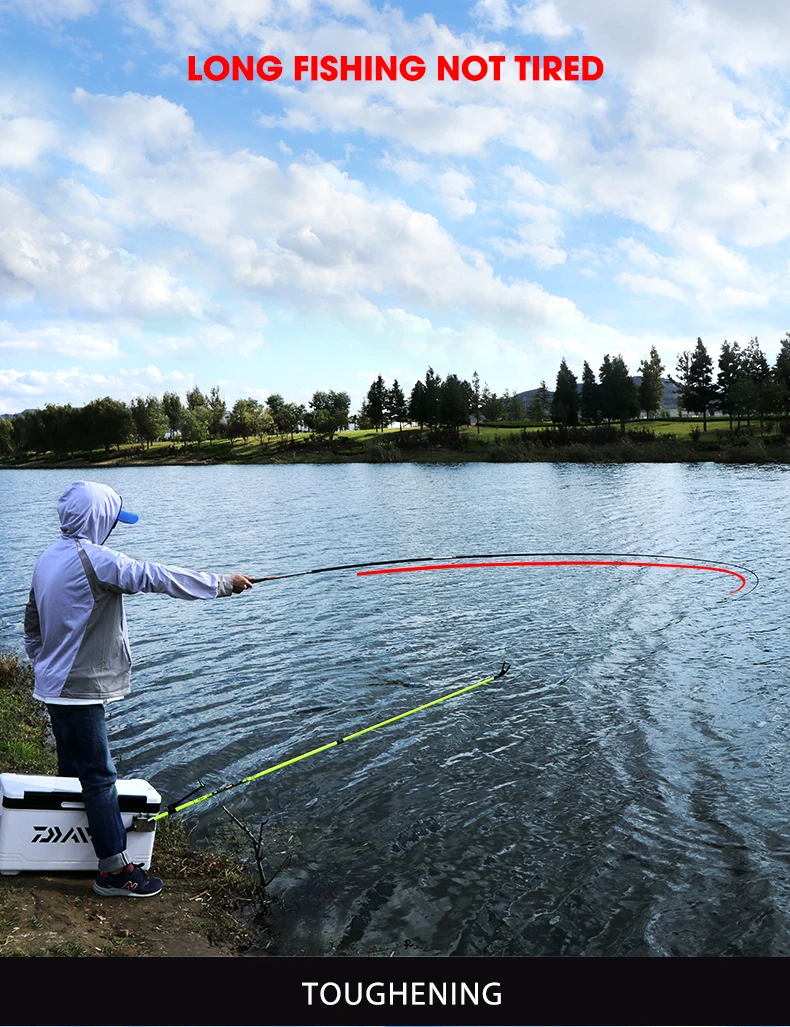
76	637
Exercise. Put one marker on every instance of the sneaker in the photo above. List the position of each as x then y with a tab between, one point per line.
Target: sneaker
132	883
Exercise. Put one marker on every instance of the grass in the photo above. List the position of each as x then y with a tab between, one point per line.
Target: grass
24	739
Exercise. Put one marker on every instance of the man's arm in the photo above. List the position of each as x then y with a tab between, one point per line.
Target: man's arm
32	628
117	571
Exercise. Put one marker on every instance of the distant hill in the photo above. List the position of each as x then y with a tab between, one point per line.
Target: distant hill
670	394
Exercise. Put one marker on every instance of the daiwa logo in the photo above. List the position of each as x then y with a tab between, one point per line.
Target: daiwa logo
55	834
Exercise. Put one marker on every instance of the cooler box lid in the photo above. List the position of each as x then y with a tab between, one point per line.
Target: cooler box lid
35	791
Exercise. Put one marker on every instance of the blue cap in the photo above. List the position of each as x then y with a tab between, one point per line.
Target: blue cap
128	518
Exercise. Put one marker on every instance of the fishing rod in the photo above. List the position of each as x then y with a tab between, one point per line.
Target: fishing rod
181	805
442	563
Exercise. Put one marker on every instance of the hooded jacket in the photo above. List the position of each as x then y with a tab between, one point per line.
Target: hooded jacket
75	626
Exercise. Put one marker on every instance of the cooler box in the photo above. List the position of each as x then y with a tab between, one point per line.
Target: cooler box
43	825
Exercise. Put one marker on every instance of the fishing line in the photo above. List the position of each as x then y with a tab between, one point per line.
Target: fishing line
181	805
626	560
557	563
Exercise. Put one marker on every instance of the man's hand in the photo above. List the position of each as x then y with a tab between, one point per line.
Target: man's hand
241	582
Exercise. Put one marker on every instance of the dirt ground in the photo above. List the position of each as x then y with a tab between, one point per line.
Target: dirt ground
207	908
59	915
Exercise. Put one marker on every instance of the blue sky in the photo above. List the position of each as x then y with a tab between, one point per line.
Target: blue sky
157	233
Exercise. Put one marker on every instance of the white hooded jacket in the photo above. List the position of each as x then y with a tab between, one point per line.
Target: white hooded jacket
75	626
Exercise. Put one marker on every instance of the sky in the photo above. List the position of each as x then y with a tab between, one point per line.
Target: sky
158	233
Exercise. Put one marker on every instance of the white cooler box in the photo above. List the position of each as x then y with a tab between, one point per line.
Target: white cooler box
43	825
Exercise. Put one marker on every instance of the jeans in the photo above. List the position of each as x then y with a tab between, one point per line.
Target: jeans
83	752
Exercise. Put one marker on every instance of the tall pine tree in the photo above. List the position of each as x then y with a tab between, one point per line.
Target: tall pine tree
565	401
651	388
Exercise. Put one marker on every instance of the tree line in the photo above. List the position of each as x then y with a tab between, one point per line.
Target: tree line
107	423
746	387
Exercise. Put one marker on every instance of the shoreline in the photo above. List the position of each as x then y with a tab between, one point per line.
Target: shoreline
641	442
756	455
210	904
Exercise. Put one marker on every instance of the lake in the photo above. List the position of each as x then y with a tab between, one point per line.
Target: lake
622	791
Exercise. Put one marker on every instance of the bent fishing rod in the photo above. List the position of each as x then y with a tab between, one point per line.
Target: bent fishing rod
143	822
460	562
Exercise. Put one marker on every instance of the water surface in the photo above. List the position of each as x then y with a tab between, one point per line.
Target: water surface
622	791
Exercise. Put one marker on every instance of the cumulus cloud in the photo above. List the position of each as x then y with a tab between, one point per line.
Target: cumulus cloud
650	286
211	338
87	342
23	140
23	389
450	185
682	146
39	260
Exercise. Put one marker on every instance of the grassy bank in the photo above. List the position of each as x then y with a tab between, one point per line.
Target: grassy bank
210	905
670	441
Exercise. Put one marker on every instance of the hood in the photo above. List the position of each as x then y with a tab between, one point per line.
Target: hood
88	510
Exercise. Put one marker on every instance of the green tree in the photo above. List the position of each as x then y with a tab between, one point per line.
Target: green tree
374	406
539	407
728	380
397	407
433	386
782	374
258	418
491	405
196	399
174	412
242	419
624	392
607	390
476	399
6	437
61	428
328	413
219	413
110	421
565	401
149	419
589	400
7	449
454	403
418	410
513	408
275	404
30	435
758	372
651	388
697	390
195	424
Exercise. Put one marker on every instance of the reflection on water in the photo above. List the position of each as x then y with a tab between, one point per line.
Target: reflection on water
622	791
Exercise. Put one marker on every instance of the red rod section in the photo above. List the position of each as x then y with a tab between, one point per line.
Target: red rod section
558	563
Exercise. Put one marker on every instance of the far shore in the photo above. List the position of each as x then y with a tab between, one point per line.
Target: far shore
675	440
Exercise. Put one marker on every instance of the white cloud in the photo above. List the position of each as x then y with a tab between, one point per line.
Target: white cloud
39	260
700	268
542	19
49	12
685	137
20	390
23	140
494	14
321	238
87	342
651	286
451	186
213	338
